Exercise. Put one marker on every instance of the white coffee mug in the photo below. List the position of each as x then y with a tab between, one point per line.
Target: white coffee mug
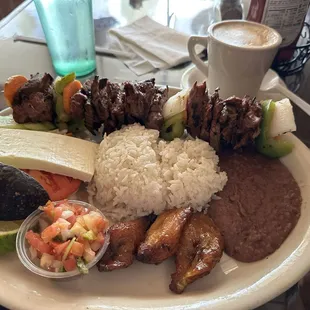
235	69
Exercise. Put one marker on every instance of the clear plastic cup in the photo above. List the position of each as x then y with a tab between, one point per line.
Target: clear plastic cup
69	31
22	246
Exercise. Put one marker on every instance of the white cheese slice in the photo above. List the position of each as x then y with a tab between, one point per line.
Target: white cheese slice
48	152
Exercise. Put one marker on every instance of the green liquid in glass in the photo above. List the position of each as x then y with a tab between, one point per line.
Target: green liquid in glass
69	30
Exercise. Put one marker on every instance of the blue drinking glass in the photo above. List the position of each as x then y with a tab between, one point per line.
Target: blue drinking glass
69	31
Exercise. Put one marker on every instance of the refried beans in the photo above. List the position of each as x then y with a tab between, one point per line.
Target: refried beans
259	206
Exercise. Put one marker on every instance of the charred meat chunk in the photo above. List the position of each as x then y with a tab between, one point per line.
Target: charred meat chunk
116	104
77	105
232	122
154	118
91	120
136	100
200	249
240	121
125	238
195	107
163	236
34	101
99	100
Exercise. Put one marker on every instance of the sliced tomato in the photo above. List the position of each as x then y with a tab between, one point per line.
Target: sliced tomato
77	249
57	186
36	242
60	248
70	263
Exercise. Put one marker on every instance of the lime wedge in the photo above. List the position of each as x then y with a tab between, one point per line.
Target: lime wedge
8	232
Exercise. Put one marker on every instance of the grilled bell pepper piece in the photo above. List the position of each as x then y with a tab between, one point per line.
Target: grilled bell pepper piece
274	147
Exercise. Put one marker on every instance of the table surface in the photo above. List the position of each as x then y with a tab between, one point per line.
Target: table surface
26	58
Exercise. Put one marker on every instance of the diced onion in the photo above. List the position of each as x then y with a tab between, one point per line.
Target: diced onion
66	214
67	234
176	104
57	264
33	253
46	261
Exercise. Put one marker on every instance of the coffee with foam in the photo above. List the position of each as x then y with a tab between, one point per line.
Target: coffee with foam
245	35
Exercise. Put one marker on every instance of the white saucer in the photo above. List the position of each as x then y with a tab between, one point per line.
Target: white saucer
192	74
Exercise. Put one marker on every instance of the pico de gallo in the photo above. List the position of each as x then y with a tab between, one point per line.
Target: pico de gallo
68	237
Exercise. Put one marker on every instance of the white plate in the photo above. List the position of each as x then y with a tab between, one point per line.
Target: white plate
231	285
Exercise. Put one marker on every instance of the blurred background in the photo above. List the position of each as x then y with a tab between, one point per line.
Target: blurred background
7	6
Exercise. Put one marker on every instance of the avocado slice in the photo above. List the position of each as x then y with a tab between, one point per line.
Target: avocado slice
20	194
270	146
8	122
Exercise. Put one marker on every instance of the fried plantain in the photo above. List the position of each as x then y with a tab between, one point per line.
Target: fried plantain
200	249
125	238
163	236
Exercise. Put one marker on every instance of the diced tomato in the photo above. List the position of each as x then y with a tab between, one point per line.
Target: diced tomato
57	186
95	245
59	249
89	254
50	232
89	221
80	220
86	245
95	222
57	213
70	263
101	224
80	210
36	242
68	206
58	257
71	219
54	244
77	249
49	210
100	238
80	239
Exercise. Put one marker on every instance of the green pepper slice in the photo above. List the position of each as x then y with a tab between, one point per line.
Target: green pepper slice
269	146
